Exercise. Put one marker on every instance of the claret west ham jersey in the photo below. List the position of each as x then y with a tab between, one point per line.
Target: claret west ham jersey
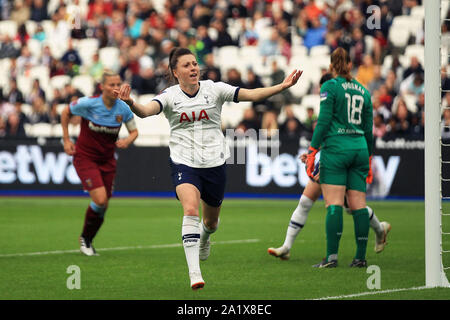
99	126
196	138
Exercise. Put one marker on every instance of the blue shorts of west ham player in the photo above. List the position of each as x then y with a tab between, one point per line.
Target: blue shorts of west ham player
209	181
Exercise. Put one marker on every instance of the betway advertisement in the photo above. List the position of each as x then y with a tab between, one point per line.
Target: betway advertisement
252	170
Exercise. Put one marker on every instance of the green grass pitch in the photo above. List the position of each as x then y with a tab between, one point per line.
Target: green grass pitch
141	256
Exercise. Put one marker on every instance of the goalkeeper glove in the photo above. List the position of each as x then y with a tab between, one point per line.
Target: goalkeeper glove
369	178
310	161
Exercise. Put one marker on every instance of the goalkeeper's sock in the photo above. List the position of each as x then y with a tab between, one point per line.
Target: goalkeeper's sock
333	229
190	233
206	232
361	221
374	222
298	220
93	220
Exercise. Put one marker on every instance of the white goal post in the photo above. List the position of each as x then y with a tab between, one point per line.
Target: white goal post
434	270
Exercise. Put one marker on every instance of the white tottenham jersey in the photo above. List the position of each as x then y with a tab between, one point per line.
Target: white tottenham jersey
196	137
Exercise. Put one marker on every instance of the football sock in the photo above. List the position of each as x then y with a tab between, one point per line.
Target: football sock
298	220
93	220
374	222
205	232
361	222
333	229
190	233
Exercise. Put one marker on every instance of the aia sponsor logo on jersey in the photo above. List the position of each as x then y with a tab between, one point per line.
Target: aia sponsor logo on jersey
193	116
119	118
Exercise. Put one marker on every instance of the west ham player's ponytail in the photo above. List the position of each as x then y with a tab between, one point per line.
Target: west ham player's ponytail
174	55
340	63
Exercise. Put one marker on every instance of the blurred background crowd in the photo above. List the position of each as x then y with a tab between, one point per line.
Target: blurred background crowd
55	51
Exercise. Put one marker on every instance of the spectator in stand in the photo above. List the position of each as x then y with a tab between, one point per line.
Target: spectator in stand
420	104
269	47
445	124
22	35
39	10
366	71
54	116
253	80
210	71
291	129
134	26
249	121
414	67
36	91
385	98
25	61
223	37
377	80
15	96
96	68
403	116
203	44
234	78
7	47
269	123
417	86
40	111
20	12
315	34
70	93
71	60
379	127
248	35
39	34
311	119
6	109
236	10
358	47
285	98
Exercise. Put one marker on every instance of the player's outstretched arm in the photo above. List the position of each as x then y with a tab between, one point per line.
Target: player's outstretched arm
69	146
150	109
259	94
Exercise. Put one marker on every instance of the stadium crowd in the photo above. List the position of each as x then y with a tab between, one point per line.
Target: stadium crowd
145	33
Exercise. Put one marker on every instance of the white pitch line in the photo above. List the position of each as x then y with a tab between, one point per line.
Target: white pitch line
158	246
368	293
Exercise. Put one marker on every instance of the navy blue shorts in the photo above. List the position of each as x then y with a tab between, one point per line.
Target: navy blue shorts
209	181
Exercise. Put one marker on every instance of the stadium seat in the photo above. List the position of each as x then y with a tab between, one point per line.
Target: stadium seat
109	56
84	83
418	12
410	101
31	26
299	51
369	40
48	26
35	47
86	49
311	100
301	88
59	82
24	84
399	36
152	131
5	65
8	27
248	53
416	50
26	109
233	113
321	50
42	73
42	130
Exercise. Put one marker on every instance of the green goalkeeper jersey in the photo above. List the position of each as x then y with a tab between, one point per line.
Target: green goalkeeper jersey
345	119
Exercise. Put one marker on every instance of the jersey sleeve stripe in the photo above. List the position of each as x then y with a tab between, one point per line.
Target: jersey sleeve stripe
160	105
236	93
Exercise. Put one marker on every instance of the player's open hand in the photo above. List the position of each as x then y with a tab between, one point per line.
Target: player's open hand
124	93
292	79
69	147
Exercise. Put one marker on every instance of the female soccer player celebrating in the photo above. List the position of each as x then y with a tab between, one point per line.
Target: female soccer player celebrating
344	134
198	150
